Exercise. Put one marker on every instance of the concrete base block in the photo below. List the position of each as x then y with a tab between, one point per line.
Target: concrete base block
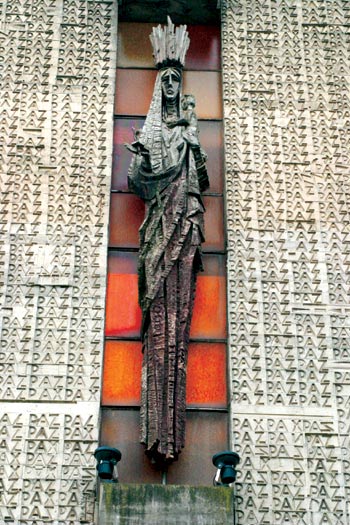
122	504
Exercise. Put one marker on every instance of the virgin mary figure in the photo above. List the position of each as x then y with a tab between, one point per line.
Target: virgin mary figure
168	172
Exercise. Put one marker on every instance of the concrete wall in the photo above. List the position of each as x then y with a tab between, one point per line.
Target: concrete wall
56	95
286	74
286	78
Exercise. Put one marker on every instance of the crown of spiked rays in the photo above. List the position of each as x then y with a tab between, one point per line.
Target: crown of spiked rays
170	45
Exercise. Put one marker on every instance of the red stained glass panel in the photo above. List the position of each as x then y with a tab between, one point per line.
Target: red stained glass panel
210	137
206	434
123	317
205	50
206	87
123	133
134	45
134	90
214	224
127	213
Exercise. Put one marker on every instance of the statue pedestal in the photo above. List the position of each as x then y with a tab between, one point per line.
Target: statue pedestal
136	504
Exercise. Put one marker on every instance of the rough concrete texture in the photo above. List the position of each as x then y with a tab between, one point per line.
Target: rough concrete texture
286	74
56	98
165	505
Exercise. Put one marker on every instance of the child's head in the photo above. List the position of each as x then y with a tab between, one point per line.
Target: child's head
188	102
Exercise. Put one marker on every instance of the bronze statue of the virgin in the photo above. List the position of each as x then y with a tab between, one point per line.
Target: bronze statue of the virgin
168	172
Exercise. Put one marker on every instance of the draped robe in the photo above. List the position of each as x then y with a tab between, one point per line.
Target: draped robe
169	259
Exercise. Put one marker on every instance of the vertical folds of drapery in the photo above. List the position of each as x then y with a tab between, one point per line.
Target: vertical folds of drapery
169	259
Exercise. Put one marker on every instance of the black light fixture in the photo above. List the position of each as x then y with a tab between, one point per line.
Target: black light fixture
226	463
107	459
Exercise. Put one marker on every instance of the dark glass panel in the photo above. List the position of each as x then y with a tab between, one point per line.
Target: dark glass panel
135	87
210	138
123	132
214	224
209	313
206	375
122	262
204	50
134	45
122	373
123	317
206	434
126	215
120	429
207	11
135	50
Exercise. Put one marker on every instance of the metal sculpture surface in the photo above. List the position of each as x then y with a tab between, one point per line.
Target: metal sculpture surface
168	172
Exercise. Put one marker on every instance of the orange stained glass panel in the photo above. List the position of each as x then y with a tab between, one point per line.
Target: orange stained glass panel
123	314
210	137
122	373
206	375
135	88
120	429
209	312
126	215
135	50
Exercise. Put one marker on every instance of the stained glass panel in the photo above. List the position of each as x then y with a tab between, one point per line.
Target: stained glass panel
206	434
122	373
123	314
120	429
206	375
135	88
135	50
210	138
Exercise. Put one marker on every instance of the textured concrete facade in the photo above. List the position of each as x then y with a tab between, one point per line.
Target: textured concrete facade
286	79
286	75
56	95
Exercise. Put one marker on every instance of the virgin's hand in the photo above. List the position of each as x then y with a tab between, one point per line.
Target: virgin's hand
146	160
191	138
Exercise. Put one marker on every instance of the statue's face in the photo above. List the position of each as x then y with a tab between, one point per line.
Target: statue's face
171	79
